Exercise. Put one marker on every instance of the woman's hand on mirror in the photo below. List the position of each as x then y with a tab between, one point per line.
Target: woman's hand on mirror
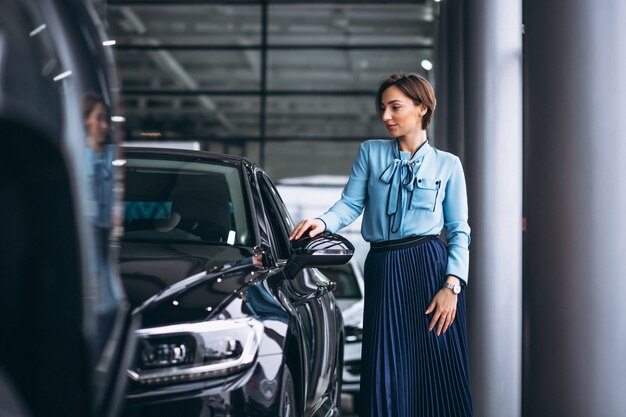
314	226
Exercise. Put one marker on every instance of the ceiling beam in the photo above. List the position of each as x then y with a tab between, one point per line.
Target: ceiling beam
170	65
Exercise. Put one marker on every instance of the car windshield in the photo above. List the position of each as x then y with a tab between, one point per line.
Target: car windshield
180	201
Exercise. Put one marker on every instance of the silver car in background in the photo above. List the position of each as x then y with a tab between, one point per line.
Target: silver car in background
349	295
308	197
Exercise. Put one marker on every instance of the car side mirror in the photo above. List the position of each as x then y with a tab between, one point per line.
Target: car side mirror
326	249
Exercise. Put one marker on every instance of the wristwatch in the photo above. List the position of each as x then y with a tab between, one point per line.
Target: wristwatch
454	288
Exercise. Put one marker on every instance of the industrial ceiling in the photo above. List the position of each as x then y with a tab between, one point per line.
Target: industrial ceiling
262	71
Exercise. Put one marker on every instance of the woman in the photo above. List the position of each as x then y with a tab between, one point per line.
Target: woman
100	155
414	359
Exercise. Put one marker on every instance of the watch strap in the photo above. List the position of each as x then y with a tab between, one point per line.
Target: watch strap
454	288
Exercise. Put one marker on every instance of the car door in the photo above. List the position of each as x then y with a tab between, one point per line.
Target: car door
310	294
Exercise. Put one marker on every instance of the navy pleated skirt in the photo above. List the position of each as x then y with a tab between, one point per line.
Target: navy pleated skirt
407	371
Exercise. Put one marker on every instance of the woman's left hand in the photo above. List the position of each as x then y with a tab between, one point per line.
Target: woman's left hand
444	307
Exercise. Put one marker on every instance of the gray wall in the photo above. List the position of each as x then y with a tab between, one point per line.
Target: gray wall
301	158
574	336
576	197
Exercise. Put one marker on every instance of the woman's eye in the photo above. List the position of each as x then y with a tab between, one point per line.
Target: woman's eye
396	107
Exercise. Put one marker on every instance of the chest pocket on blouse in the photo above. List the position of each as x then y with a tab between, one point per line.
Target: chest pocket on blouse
425	194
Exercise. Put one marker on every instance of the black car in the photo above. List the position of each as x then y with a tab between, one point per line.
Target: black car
236	321
64	320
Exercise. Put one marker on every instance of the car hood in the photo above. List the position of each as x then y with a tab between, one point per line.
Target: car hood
176	283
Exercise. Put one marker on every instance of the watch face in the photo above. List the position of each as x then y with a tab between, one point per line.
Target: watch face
457	289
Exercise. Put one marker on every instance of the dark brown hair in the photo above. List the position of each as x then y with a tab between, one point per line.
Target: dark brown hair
89	102
414	86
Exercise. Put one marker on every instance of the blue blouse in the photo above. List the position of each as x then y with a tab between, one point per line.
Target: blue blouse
402	196
100	171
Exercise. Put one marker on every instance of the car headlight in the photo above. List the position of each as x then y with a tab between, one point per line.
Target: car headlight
190	352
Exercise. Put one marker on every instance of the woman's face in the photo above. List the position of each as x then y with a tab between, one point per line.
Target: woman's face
97	124
400	114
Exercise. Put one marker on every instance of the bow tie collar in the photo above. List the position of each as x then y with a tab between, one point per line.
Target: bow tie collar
401	173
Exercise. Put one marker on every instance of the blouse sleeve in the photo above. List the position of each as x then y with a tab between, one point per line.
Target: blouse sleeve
353	197
455	215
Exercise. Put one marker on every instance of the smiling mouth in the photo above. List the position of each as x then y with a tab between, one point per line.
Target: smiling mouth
391	126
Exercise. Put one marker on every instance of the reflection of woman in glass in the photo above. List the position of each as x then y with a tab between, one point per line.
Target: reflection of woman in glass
100	156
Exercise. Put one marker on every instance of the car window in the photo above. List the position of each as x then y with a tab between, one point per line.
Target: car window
280	204
275	217
191	202
343	275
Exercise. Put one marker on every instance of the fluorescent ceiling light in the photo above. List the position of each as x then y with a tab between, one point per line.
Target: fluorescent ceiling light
62	75
38	30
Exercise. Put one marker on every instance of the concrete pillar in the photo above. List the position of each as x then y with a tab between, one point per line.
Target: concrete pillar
493	164
576	187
